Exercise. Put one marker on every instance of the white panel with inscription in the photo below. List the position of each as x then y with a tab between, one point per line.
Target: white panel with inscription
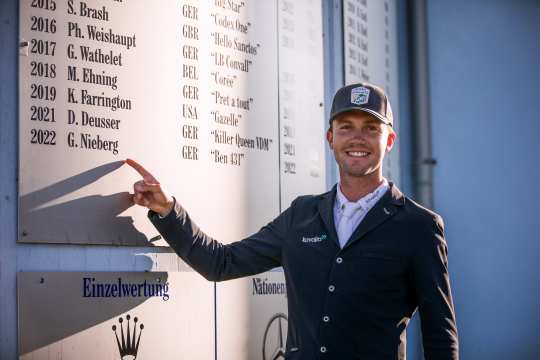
370	46
187	88
110	316
301	94
252	317
252	312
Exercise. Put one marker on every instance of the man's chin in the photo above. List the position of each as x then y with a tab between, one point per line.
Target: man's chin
357	171
358	174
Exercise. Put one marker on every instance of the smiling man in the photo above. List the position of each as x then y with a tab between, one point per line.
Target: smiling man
359	260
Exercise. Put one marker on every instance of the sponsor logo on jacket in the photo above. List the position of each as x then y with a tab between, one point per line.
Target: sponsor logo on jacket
314	239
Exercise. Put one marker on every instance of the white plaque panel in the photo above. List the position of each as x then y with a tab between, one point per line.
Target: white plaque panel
370	46
252	312
187	88
111	316
252	317
301	94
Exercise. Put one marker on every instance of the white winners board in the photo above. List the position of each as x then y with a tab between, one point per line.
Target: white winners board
190	90
370	55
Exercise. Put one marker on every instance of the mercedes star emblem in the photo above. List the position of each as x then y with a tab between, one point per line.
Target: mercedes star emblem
274	338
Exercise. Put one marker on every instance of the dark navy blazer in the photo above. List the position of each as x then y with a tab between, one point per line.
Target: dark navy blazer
350	303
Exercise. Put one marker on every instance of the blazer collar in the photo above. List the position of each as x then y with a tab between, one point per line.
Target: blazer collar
383	210
326	210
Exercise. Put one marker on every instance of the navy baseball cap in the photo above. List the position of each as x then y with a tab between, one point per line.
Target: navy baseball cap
363	97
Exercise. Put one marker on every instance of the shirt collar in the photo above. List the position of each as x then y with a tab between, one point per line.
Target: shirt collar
365	201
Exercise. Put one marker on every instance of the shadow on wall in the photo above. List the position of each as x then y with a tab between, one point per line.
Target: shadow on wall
79	219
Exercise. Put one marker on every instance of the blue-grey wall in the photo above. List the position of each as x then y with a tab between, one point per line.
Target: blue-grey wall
485	83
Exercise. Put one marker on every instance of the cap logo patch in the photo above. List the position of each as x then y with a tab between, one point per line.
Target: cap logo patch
360	95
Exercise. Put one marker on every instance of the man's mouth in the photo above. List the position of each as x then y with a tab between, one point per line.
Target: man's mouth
357	153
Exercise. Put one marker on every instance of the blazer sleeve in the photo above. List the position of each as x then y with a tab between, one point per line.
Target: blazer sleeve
216	261
434	295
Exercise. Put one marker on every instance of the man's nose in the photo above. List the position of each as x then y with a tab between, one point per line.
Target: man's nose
359	135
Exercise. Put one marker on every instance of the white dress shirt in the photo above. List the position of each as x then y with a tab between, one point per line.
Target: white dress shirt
348	215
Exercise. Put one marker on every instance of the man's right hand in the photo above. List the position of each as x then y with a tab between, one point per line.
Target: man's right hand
148	191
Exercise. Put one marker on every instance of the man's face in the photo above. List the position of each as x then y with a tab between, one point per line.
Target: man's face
359	141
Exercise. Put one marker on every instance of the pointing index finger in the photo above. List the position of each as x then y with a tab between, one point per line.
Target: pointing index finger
142	171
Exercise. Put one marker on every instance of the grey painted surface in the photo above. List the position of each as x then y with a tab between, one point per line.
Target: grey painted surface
405	135
405	131
485	83
333	70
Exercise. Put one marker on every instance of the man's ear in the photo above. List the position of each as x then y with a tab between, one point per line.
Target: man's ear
390	141
330	138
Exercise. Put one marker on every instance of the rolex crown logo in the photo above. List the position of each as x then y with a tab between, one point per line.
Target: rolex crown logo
128	346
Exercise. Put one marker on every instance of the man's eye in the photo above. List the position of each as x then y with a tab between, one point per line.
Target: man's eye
345	127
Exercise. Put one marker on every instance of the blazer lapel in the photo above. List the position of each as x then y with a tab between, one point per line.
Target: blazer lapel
326	210
383	210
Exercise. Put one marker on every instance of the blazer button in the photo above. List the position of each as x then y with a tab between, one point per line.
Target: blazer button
339	260
331	288
326	318
323	349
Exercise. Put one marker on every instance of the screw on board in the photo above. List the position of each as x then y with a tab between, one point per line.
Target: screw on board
23	47
41	280
24	233
320	104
